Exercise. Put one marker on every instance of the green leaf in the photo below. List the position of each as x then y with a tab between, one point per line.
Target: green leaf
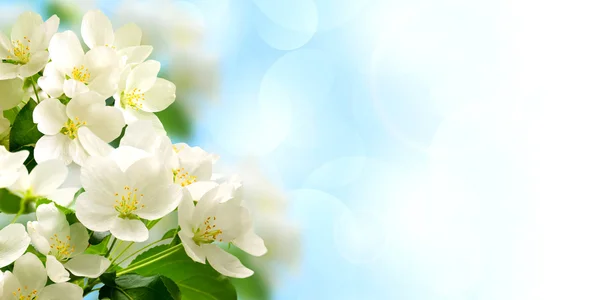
99	249
170	234
134	287
176	121
195	280
116	142
9	203
24	132
98	237
254	287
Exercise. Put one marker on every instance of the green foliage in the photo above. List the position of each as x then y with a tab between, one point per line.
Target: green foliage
24	132
100	248
254	287
195	280
69	213
134	286
176	121
98	237
9	203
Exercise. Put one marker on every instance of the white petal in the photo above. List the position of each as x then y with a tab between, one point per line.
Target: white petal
30	272
5	45
88	265
36	63
52	82
8	71
251	243
50	115
50	28
77	152
127	36
11	285
28	27
104	84
101	60
185	213
129	230
160	96
143	76
63	196
65	52
92	143
83	104
37	237
11	92
136	54
56	271
225	263
141	135
159	202
95	211
132	115
96	29
13	243
51	221
195	252
125	156
79	238
61	291
47	176
22	185
106	122
102	175
51	147
12	160
200	188
73	88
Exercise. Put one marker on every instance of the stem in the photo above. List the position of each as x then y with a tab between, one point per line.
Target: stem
20	212
123	252
35	90
110	248
149	260
138	251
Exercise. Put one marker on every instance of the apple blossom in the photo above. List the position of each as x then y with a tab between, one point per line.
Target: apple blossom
13	243
11	165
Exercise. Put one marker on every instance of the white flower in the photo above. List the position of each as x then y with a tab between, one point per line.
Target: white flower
74	72
25	54
122	190
28	281
61	123
13	243
141	93
44	181
191	166
213	220
11	93
10	166
97	31
63	244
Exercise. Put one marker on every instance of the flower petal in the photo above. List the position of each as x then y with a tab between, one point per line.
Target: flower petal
159	202
194	251
50	115
125	156
106	122
61	291
88	265
73	88
200	188
13	243
27	27
127	36
8	71
30	271
95	211
65	51
92	143
47	176
11	284
52	82
37	239
129	230
51	147
225	263
102	175
159	96
56	271
96	29
50	28
63	196
79	238
136	54
101	60
51	221
11	92
185	213
143	76
36	63
251	243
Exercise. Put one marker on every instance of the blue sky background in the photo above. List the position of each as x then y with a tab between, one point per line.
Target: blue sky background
438	149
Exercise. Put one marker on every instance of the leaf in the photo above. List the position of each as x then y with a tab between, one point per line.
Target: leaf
195	280
170	234
99	249
98	237
24	132
116	142
9	203
134	287
254	287
176	121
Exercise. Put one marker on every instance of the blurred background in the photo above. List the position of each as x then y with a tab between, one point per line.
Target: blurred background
392	149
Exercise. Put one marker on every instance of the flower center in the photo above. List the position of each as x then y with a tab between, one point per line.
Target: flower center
62	250
183	178
133	99
20	52
127	202
70	128
208	232
81	74
24	294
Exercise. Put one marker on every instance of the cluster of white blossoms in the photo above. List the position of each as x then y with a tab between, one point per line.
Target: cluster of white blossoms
78	184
